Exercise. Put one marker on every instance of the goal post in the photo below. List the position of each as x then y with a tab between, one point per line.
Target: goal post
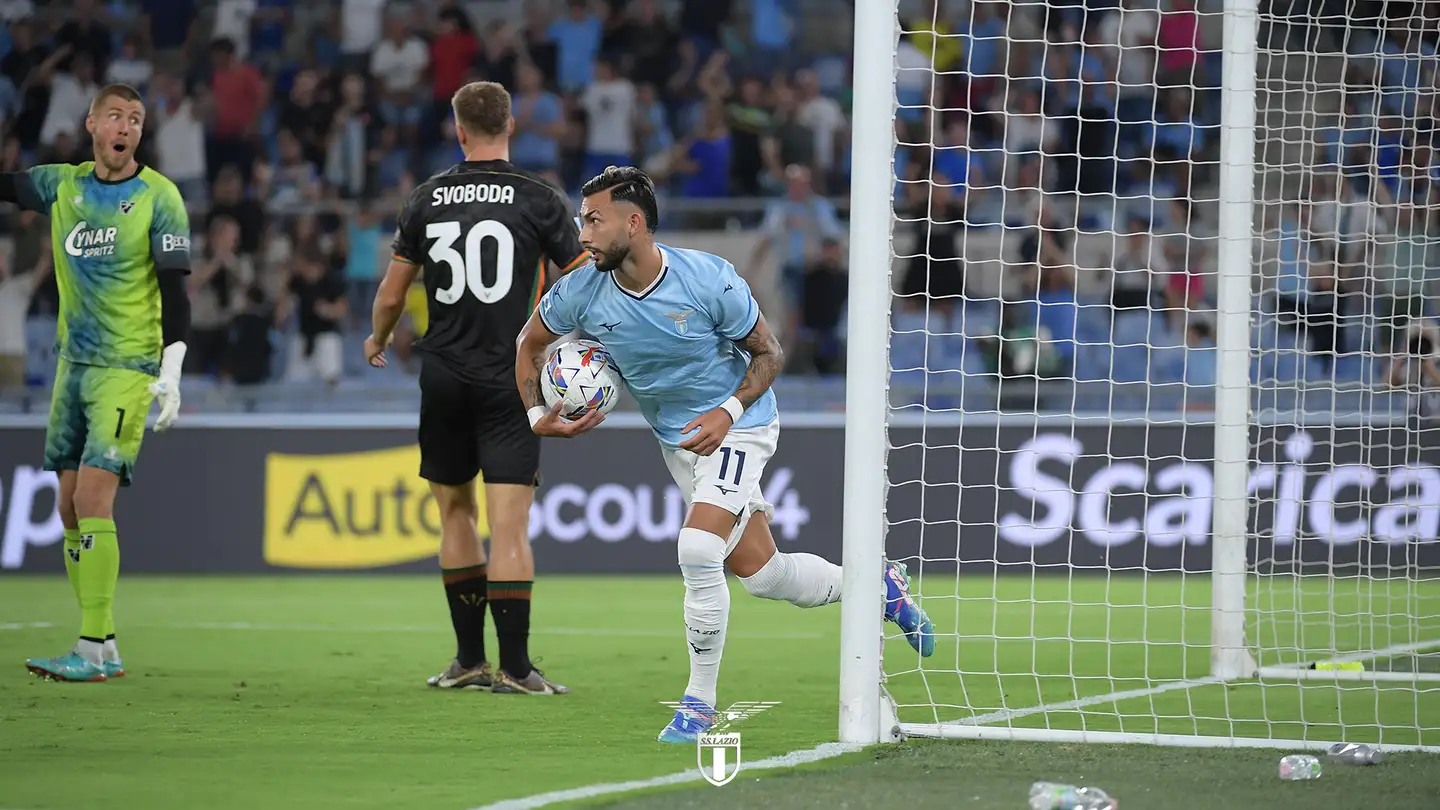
1229	656
1115	543
866	402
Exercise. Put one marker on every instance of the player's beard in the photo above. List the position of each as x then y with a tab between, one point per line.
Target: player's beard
611	257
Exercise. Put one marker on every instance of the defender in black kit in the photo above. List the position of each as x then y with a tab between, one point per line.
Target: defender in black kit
482	233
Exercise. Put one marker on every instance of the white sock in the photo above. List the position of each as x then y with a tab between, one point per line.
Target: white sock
92	651
111	651
804	580
707	608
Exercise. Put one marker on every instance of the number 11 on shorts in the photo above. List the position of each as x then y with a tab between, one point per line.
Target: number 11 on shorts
725	454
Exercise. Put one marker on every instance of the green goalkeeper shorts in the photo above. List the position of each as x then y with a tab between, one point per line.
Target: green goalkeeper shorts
97	418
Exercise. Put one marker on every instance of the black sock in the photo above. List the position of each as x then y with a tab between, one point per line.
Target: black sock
510	605
465	590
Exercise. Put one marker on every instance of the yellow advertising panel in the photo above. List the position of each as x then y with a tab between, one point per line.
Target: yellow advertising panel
351	510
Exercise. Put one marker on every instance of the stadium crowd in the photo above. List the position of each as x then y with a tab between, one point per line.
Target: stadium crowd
1056	169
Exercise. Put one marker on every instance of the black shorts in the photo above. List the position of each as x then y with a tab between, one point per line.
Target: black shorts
468	429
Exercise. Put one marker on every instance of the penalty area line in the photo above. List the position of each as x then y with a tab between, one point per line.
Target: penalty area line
790	760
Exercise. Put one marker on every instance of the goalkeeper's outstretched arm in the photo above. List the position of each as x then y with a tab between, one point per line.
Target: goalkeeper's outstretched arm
20	188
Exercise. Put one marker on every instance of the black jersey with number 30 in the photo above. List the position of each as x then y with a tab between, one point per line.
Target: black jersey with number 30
481	232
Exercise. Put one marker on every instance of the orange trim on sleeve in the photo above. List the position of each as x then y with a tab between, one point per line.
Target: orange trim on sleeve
400	258
539	286
576	262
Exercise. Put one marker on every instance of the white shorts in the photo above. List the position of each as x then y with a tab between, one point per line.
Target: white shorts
729	477
326	362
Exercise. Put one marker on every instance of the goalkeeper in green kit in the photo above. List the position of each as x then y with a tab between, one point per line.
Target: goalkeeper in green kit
122	250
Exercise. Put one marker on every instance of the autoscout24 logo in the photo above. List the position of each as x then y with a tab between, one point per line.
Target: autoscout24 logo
717	751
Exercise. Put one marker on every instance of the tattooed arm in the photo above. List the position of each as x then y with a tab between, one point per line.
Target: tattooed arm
766	361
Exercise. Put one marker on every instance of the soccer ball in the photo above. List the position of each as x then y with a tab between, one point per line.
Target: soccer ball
581	375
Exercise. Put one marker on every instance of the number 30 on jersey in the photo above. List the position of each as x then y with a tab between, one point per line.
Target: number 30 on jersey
466	271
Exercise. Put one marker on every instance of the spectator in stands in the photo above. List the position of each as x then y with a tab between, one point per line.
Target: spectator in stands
789	142
795	227
1178	38
1415	259
399	63
355	122
306	117
229	200
609	103
240	96
822	305
85	35
294	180
1415	365
216	295
748	120
169	29
232	23
452	53
703	159
1185	284
29	66
577	40
652	130
1306	286
317	300
130	67
16	290
823	117
70	95
248	349
499	57
1135	271
539	123
365	250
1200	355
645	43
361	25
935	271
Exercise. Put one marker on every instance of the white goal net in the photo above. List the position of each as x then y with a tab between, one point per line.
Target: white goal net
1163	434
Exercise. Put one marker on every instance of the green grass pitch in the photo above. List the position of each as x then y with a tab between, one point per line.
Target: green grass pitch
308	692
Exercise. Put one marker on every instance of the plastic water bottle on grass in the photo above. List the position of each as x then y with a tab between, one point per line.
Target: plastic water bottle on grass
1355	754
1052	796
1299	767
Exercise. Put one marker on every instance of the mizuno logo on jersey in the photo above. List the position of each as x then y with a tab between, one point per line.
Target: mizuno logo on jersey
87	243
473	193
610	327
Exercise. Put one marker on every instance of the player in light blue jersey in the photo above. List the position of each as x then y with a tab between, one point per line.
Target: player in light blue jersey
699	358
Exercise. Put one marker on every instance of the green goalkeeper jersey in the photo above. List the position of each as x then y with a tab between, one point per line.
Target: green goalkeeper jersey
110	239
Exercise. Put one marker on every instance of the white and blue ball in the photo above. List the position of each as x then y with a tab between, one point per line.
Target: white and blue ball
581	375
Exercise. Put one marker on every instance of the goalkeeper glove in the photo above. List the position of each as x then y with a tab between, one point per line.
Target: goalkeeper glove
167	388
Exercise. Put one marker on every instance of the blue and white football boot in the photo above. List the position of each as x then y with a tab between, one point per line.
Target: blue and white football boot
900	608
693	717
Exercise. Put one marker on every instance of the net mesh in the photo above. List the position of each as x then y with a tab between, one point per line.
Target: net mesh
1053	370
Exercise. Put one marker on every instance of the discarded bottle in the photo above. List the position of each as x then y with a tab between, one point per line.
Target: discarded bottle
1356	754
1052	796
1297	767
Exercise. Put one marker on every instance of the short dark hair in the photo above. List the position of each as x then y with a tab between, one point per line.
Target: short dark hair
124	92
482	109
627	184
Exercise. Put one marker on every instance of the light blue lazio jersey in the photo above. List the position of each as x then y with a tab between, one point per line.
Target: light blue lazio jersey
674	343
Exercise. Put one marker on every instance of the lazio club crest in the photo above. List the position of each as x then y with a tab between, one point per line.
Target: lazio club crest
681	319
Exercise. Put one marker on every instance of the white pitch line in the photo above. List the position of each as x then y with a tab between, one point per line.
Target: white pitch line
789	760
598	632
1079	703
